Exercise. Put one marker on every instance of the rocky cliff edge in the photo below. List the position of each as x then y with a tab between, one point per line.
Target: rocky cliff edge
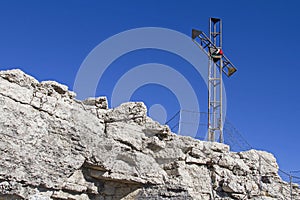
53	146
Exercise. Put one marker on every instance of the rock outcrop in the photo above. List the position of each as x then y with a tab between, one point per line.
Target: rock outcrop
53	146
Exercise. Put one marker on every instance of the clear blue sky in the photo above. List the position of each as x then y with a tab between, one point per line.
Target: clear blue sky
50	40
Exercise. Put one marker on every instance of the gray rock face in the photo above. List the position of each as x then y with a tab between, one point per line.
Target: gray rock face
53	146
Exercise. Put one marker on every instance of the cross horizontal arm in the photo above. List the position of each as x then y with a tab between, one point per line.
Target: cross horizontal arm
205	44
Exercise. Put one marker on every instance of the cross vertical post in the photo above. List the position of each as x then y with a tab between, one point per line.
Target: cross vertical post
218	64
215	82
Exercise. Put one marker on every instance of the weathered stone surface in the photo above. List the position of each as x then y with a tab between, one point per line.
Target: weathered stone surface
53	146
99	102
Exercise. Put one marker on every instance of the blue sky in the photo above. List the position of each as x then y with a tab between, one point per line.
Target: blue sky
50	40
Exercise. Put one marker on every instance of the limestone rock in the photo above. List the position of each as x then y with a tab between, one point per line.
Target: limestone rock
53	146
